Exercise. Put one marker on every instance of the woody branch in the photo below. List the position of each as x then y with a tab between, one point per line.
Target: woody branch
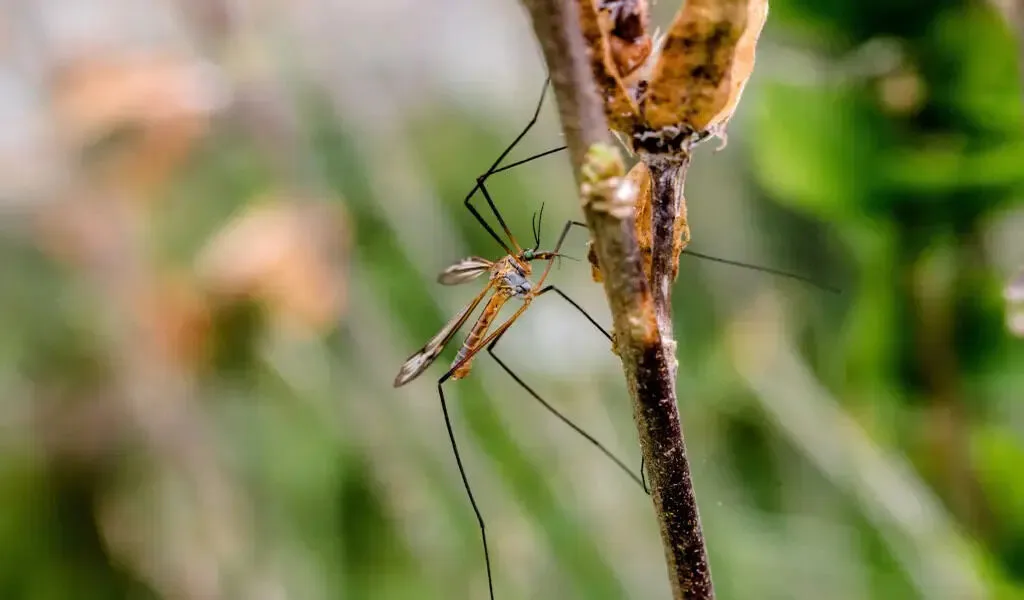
646	350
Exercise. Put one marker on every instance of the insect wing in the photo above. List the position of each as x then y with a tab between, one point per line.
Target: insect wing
465	270
417	363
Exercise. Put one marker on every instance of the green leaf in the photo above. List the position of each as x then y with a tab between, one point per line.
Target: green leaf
813	148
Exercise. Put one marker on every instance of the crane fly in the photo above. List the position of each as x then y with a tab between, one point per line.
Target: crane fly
508	278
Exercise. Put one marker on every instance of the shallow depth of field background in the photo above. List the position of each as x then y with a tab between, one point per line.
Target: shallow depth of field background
221	223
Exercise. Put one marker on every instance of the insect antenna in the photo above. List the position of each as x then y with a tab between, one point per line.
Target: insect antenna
537	233
538	220
540	223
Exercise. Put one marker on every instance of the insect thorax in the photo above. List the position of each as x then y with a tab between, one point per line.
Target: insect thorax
517	283
512	277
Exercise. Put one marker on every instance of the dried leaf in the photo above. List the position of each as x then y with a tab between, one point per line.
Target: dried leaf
693	79
743	63
639	177
628	41
681	237
643	221
694	88
620	108
134	118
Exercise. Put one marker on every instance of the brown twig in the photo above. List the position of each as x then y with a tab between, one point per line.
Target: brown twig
647	352
667	176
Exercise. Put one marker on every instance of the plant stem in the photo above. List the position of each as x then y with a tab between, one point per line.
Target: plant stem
667	175
643	340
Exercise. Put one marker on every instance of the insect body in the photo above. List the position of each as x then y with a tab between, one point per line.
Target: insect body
509	277
509	280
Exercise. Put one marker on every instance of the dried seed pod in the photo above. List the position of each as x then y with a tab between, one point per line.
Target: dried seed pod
628	40
640	175
742	66
702	68
620	108
681	237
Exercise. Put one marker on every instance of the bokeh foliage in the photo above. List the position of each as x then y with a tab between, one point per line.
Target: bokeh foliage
179	426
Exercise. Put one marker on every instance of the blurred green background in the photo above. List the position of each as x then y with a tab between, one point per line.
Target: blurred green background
221	226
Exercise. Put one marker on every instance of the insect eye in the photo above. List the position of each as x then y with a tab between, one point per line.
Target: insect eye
528	254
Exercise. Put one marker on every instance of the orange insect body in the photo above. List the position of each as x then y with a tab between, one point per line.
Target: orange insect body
509	279
505	274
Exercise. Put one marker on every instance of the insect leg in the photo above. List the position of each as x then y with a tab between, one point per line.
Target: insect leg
553	254
527	159
552	409
465	480
551	288
769	270
482	178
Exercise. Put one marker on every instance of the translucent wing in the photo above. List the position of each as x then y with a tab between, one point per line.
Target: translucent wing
417	363
465	270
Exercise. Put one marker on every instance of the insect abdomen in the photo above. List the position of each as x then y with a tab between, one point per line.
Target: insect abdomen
476	334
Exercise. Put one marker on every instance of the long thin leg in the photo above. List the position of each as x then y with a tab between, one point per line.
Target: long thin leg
465	480
483	178
494	209
769	270
551	288
553	253
552	409
643	477
527	159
